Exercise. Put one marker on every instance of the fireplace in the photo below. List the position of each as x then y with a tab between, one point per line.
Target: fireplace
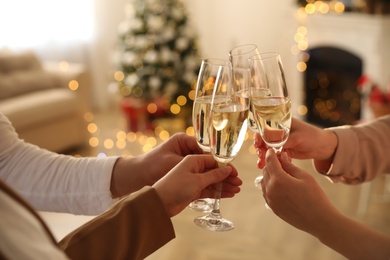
330	84
341	48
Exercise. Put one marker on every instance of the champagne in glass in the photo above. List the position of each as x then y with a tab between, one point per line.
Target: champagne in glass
272	113
239	56
207	76
227	128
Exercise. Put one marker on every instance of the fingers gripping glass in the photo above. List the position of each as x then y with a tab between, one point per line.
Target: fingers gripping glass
207	76
228	122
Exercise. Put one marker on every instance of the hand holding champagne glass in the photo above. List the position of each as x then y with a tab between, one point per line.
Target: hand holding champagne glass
227	129
207	77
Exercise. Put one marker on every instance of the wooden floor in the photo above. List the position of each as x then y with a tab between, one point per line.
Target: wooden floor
259	234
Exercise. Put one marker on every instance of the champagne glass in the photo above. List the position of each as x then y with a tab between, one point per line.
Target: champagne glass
207	76
228	124
239	56
272	112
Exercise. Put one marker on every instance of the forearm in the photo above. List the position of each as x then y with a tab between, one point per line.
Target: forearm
72	185
133	228
352	239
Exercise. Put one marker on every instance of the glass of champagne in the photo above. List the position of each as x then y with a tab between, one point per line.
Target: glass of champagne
239	56
228	124
207	76
272	112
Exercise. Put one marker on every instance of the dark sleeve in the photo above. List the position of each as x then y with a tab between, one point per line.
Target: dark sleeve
133	228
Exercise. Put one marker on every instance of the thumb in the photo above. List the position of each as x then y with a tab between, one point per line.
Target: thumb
273	163
216	175
289	167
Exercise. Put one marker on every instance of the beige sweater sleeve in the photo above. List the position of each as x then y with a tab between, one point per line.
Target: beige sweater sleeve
363	152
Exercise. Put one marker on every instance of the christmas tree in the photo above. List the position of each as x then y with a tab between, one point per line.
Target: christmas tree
158	55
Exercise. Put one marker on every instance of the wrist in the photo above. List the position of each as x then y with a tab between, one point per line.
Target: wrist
324	162
126	177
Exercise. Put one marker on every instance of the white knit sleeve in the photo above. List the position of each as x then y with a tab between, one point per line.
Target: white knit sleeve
53	182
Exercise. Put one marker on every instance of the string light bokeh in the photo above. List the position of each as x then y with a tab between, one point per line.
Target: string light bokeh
324	105
114	140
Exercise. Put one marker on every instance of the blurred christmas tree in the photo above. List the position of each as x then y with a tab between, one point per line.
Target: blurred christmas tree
158	55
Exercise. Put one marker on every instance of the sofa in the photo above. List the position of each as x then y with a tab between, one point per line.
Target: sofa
45	101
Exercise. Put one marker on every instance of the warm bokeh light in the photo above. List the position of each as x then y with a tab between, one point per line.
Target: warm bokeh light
108	143
125	91
146	148
93	141
121	135
190	131
73	85
310	8
181	100
152	108
143	139
151	141
304	56
191	95
131	137
303	45
175	109
120	144
164	135
92	128
339	7
302	30
158	130
301	66
119	76
299	37
322	7
89	116
302	110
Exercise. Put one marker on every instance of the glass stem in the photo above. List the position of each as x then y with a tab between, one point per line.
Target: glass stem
278	149
217	196
259	178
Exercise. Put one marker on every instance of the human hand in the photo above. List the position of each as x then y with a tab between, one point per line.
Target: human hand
131	174
305	142
195	177
164	157
294	195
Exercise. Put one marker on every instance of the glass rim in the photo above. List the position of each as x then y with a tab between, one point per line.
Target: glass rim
254	47
265	55
216	61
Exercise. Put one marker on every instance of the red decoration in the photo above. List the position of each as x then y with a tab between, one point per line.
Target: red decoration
378	100
136	114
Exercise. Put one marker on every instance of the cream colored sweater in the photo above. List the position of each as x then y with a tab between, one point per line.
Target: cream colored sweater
363	152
